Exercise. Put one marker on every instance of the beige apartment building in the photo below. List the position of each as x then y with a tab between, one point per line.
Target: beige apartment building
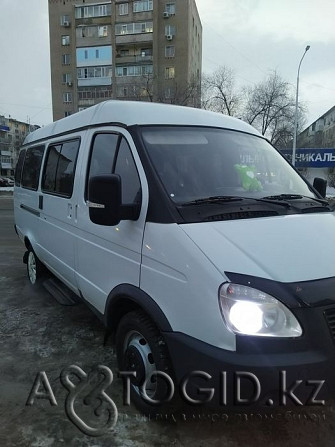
149	50
12	135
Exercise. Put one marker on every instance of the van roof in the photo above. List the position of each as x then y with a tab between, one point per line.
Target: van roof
128	113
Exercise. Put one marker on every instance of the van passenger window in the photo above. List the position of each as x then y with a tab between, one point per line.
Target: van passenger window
49	177
125	167
19	166
66	167
60	167
31	167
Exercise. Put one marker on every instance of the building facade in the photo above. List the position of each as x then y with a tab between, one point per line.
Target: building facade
12	134
148	50
321	133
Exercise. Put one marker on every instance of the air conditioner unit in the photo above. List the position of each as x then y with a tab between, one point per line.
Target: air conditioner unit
69	84
169	37
66	23
166	15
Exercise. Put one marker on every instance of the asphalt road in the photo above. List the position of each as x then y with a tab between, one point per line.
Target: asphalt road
39	338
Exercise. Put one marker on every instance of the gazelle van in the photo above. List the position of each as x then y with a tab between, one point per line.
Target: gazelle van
194	240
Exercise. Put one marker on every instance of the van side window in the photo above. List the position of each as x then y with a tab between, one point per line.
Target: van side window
125	167
103	162
60	167
103	153
19	166
31	167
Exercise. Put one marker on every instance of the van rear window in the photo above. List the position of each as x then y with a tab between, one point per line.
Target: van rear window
19	166
31	167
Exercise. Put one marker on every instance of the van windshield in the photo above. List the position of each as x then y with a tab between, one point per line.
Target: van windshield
196	163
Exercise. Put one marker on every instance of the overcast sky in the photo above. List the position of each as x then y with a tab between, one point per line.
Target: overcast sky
253	37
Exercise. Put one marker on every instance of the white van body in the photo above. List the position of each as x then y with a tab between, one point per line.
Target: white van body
171	261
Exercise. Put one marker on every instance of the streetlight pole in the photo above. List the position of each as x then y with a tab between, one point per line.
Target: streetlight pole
296	110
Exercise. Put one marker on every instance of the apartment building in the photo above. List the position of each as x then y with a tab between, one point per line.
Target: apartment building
321	133
12	134
149	50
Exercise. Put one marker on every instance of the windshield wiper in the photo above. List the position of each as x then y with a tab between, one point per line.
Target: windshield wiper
224	199
213	199
295	197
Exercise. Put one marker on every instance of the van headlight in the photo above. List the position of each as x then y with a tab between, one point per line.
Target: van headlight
249	311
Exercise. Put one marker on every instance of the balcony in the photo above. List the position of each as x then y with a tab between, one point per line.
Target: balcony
132	59
133	38
93	82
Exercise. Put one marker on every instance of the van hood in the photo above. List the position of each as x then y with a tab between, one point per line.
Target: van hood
293	248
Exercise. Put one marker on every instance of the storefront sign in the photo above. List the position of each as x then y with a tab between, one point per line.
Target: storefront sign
312	158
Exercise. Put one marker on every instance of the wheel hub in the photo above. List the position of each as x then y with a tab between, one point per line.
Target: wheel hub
134	362
138	357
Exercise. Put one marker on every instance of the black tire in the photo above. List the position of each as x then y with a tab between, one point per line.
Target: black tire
36	271
140	347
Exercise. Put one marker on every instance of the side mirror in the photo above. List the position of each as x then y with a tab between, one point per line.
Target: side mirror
104	199
320	185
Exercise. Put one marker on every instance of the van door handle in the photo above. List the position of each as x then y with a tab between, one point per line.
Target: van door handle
40	202
69	210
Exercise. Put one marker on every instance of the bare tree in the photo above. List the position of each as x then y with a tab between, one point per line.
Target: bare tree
270	107
219	92
183	94
142	88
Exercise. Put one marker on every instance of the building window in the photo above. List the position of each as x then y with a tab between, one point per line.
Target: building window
65	20
67	114
170	30
94	93
143	5
103	31
169	93
94	72
170	51
65	40
66	78
169	73
66	59
133	28
122	92
91	31
101	55
134	70
83	12
67	97
170	8
123	9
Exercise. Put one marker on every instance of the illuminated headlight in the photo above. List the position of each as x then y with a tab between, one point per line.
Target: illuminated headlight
249	311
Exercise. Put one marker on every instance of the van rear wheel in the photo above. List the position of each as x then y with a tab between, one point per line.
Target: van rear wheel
35	268
141	349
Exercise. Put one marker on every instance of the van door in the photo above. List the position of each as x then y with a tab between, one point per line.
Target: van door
56	202
109	256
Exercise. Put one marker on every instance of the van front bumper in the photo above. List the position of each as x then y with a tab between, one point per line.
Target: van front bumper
262	372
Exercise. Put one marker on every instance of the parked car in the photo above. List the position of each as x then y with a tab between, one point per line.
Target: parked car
3	182
10	181
195	241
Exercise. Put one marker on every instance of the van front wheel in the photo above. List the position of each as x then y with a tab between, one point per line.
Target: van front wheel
142	353
35	268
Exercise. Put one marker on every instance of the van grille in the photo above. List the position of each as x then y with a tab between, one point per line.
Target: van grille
330	317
